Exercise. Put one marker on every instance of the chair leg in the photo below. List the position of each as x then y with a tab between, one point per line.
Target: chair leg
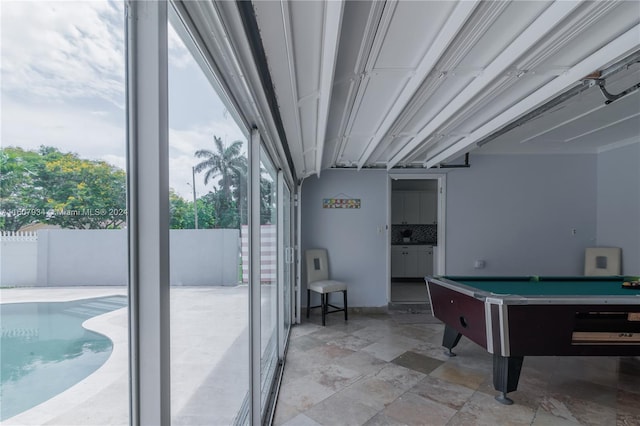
308	302
324	307
344	294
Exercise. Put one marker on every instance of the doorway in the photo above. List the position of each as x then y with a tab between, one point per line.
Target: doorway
416	235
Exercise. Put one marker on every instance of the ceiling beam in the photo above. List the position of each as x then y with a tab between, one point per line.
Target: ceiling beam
330	40
620	47
287	30
545	22
378	21
447	34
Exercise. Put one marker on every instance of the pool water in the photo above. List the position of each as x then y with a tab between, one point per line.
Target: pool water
45	350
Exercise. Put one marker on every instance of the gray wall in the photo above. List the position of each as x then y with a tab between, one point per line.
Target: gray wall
517	212
99	257
514	212
82	257
356	239
18	259
619	204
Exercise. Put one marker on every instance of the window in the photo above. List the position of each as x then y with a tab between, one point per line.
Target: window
63	214
208	245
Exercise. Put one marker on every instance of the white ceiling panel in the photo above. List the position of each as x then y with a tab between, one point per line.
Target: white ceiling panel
414	27
352	148
307	24
417	83
381	87
507	26
361	16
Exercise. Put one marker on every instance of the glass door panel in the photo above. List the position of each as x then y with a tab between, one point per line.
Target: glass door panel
268	273
63	214
287	274
209	299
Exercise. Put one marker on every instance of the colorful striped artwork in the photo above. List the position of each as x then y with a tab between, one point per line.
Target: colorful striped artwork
341	203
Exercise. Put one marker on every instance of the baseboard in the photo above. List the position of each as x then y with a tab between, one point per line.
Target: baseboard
354	310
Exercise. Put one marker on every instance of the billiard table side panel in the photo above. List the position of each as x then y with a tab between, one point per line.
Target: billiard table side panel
540	330
457	310
546	330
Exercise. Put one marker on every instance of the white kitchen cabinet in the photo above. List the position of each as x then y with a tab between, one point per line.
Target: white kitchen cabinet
413	207
397	208
428	207
397	262
411	261
425	260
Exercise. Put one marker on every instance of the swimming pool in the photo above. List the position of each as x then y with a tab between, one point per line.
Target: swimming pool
45	350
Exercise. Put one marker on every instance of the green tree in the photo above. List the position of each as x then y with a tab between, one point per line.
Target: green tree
207	218
267	200
49	186
226	162
229	199
182	215
181	212
18	194
224	212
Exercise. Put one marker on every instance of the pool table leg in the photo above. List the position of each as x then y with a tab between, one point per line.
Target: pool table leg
450	339
506	374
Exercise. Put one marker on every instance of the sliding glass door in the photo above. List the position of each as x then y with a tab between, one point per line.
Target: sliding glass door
209	298
268	274
213	307
64	294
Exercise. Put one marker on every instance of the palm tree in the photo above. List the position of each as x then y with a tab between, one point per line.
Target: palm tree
226	162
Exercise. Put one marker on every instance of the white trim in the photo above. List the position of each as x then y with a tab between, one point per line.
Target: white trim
389	226
488	326
504	330
297	251
442	225
148	205
331	38
280	286
441	179
255	391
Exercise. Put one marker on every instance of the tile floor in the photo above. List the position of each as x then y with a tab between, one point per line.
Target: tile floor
409	292
390	369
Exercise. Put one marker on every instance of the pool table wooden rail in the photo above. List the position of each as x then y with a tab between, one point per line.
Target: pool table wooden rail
513	326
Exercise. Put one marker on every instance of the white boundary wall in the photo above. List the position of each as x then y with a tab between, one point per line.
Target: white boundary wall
18	258
63	257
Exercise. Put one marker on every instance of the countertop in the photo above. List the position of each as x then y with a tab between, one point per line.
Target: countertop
415	243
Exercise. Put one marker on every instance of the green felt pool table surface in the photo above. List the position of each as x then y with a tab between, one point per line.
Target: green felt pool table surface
548	286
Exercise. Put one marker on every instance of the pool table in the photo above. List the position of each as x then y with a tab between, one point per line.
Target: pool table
514	317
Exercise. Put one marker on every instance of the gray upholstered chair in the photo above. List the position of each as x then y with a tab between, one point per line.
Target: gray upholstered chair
318	281
602	261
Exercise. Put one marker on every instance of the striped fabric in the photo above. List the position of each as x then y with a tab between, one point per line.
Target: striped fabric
268	253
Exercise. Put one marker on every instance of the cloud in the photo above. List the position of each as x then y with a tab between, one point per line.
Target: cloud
68	127
63	85
179	56
58	50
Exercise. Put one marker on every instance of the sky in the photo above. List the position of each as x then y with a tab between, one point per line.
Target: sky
62	84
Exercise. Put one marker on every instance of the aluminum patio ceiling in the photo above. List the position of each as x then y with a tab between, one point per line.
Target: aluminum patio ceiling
419	83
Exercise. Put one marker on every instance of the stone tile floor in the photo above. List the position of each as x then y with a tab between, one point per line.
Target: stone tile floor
390	369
